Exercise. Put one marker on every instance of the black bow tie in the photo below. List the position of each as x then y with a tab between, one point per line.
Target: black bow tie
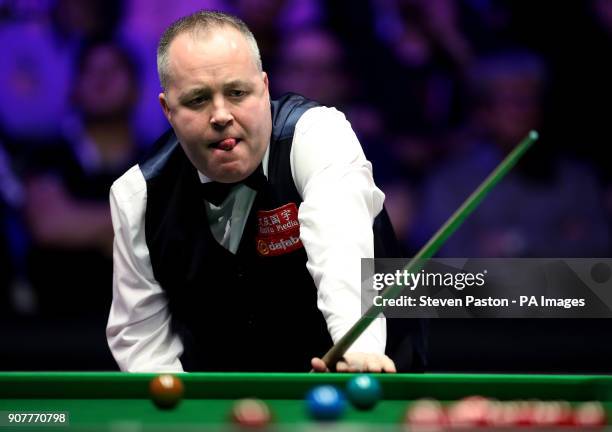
215	192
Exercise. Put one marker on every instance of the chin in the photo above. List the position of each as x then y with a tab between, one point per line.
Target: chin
230	176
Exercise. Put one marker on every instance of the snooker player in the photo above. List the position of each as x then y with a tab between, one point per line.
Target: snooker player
238	242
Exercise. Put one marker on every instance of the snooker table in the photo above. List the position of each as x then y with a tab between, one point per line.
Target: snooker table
119	402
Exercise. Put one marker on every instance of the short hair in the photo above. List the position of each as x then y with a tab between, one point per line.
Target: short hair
202	20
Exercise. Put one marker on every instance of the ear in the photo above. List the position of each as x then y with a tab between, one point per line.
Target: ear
164	104
264	76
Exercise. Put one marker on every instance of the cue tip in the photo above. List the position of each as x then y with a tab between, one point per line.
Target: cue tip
534	135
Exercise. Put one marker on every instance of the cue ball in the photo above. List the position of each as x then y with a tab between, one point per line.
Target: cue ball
325	402
363	391
166	391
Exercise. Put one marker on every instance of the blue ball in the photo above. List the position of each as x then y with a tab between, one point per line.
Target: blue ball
364	391
325	403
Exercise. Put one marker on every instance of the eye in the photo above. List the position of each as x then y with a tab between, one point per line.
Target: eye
237	93
198	100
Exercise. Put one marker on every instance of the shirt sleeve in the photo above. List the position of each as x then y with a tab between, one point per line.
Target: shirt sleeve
138	331
340	202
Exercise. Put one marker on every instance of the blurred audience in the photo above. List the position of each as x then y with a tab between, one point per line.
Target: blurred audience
67	186
548	206
11	200
271	21
312	62
424	52
39	52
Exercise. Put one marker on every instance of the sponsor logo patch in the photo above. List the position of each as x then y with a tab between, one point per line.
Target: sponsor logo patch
278	231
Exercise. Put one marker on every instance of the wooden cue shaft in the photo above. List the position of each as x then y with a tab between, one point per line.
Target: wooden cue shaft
433	245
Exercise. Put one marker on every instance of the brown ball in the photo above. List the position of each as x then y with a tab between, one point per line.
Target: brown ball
166	391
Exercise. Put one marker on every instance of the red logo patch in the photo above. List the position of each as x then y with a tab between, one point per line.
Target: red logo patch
278	231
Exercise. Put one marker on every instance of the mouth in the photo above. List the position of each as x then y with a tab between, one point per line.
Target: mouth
226	144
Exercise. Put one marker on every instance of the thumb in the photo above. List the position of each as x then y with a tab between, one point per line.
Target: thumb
318	365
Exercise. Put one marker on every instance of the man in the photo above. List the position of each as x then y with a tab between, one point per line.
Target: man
215	267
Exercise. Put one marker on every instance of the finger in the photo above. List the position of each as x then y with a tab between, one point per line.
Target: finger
318	365
373	365
355	366
388	365
342	366
353	362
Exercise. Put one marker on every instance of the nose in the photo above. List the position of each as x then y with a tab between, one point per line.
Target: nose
221	116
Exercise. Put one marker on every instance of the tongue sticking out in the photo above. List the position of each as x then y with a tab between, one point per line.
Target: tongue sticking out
227	144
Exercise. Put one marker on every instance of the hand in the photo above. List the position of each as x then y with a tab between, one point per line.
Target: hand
357	362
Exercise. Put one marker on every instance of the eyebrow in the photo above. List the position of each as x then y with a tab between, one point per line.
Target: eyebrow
206	91
236	83
190	94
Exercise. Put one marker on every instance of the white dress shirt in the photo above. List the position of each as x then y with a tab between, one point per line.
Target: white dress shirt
340	202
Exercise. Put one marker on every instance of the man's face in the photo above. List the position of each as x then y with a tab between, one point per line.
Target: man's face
218	103
105	88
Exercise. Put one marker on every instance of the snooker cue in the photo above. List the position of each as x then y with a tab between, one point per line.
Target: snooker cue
432	246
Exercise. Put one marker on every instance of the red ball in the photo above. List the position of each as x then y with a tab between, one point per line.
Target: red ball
590	414
472	411
251	413
505	414
551	413
426	414
526	411
166	391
